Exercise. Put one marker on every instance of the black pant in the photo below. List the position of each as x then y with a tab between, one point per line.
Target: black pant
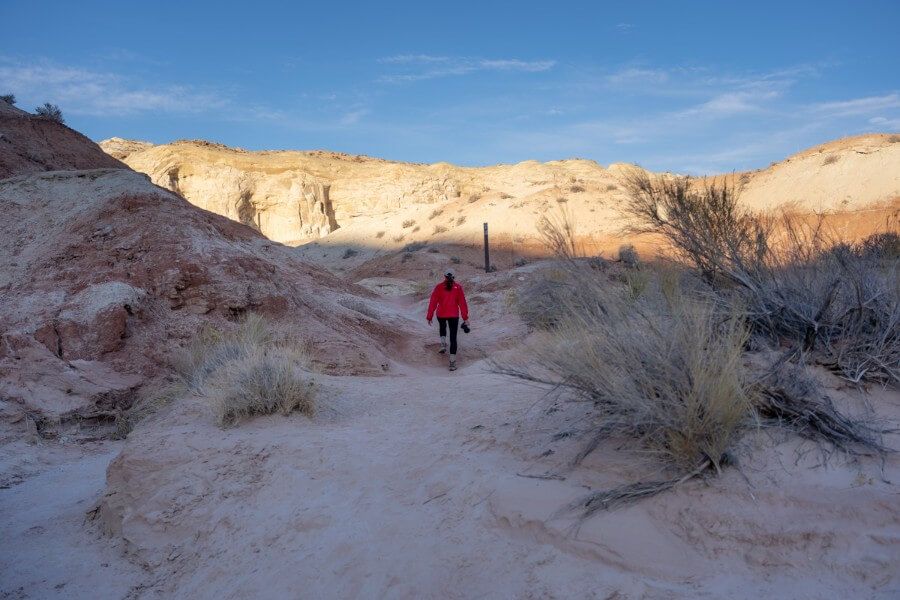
454	324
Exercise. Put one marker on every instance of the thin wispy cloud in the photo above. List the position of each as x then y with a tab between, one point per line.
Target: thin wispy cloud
419	67
633	76
859	106
685	118
353	117
98	93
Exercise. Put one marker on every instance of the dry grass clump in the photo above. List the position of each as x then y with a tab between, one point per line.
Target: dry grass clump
435	213
894	139
663	371
439	229
408	223
379	235
628	256
148	401
251	370
837	301
548	297
460	219
474	198
831	159
261	383
422	289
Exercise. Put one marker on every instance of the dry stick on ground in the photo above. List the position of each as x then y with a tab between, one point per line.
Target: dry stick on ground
587	505
792	400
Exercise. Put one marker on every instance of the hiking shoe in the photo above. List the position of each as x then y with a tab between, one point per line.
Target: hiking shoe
452	366
442	350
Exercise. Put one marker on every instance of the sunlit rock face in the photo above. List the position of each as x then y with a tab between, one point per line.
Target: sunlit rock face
297	197
287	207
290	197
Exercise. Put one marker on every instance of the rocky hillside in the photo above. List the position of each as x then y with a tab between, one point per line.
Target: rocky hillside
297	197
94	299
31	144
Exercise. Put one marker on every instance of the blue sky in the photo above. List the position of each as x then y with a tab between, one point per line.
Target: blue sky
684	86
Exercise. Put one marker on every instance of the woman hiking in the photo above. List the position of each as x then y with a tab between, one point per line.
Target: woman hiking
449	300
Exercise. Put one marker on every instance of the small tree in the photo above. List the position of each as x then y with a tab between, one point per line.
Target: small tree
50	111
8	98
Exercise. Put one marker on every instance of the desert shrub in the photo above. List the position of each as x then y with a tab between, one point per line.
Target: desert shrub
416	228
408	223
562	200
663	370
455	260
439	229
831	159
349	253
557	233
460	220
894	139
881	246
628	256
148	401
9	99
399	238
433	250
415	246
211	348
546	298
575	189
50	111
379	235
249	370
435	213
611	187
262	383
505	196
474	198
520	262
799	286
422	289
661	358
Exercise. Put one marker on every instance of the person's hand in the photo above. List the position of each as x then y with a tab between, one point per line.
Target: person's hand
429	321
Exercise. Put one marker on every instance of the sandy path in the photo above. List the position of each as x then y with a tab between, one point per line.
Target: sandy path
46	548
409	486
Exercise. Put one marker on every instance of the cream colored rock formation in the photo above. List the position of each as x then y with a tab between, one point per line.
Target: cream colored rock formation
297	197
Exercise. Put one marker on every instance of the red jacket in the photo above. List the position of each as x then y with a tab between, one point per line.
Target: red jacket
448	303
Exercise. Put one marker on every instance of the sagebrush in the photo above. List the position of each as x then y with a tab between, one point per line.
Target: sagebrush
249	370
800	284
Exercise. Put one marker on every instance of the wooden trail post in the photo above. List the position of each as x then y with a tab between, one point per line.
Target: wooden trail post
487	251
